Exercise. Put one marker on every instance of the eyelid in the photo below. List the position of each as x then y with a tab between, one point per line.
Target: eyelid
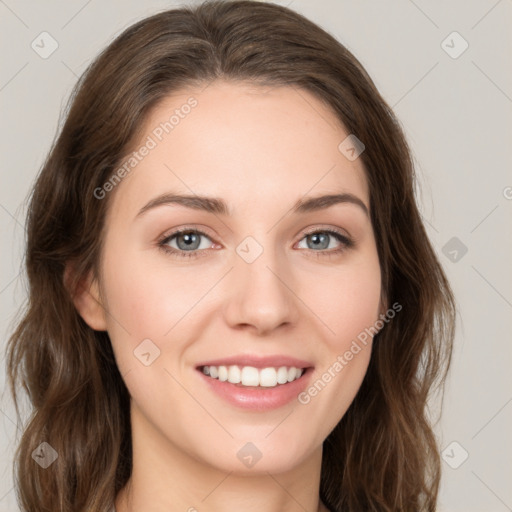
188	227
326	227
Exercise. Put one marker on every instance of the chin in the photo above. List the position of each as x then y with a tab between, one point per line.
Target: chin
246	458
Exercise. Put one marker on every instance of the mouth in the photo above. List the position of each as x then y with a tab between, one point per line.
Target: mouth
255	383
256	389
252	377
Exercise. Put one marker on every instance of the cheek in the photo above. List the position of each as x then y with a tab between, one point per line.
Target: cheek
149	300
350	309
349	302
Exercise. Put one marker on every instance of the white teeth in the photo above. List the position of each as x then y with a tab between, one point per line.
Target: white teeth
223	373
250	376
268	377
234	375
282	375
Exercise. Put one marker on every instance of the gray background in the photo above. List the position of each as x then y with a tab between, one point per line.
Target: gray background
456	113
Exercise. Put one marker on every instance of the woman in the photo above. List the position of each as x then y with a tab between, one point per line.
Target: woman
233	301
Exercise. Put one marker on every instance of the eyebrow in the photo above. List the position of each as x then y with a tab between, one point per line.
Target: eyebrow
219	206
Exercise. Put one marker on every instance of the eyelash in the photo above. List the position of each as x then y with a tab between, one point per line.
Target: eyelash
346	242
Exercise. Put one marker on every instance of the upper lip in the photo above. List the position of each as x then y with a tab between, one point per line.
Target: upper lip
258	361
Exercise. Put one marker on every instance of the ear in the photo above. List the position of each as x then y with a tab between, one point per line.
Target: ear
86	298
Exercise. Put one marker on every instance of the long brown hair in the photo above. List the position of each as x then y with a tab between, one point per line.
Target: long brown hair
382	455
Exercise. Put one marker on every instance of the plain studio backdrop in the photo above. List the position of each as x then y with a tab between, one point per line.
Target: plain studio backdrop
445	69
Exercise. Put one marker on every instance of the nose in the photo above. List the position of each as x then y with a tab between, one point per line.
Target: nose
260	295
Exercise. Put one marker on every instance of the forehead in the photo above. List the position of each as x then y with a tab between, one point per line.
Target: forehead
247	143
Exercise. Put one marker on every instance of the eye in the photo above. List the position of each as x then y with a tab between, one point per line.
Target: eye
322	239
185	242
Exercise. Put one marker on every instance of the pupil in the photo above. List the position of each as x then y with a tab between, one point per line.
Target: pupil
320	239
189	239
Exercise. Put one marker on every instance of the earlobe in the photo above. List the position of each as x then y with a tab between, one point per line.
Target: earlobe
87	299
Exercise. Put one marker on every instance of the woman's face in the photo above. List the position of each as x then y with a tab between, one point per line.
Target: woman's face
256	284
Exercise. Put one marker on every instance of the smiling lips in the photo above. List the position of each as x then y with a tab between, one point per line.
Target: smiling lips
255	382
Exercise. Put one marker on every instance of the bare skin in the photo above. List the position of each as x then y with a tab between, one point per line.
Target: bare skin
260	150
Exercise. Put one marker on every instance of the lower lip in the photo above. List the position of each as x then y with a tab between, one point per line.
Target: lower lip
258	398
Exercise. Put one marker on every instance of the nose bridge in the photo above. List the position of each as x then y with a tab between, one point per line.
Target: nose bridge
258	262
259	294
